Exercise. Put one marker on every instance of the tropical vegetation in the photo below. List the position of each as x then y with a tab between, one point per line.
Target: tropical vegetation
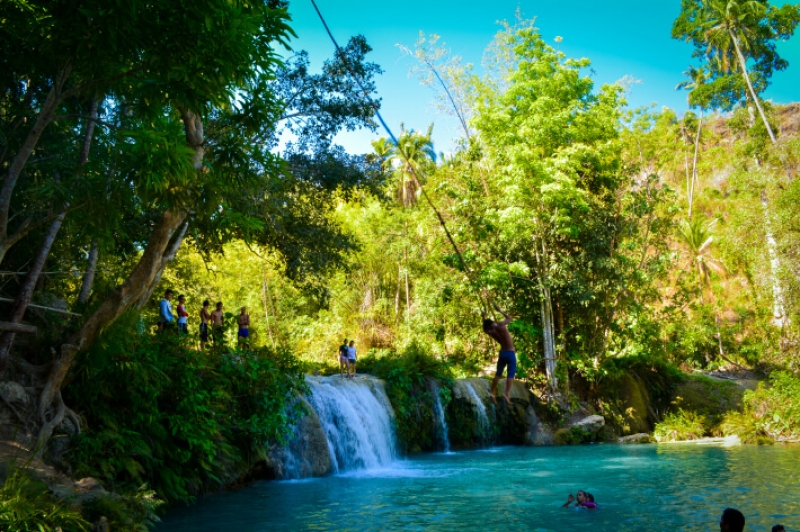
620	240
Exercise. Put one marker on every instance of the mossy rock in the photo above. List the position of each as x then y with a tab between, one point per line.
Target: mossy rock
633	405
573	436
708	397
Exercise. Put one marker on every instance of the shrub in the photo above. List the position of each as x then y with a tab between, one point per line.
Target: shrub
405	374
680	426
27	505
161	412
771	410
132	513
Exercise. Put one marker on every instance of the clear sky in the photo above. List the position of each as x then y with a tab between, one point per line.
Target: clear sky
620	37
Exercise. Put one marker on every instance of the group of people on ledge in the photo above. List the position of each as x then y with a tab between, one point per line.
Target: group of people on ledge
347	359
732	520
212	324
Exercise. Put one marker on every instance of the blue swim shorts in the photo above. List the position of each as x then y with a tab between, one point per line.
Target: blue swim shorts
507	358
244	333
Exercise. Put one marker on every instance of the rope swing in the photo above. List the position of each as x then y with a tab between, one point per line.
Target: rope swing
400	151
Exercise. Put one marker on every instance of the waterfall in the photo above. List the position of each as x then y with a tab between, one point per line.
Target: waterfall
357	419
480	410
442	437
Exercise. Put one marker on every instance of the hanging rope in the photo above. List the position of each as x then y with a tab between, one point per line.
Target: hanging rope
399	149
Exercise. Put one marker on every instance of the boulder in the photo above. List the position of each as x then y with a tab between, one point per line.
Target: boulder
306	453
14	394
642	437
538	433
590	424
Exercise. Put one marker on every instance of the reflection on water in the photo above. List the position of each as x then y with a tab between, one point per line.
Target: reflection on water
668	487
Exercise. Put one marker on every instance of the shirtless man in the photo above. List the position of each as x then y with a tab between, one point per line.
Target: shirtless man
498	330
205	318
244	328
217	326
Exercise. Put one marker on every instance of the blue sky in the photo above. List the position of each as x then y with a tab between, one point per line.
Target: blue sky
620	37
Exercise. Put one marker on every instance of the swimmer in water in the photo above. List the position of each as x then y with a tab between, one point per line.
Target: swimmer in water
584	500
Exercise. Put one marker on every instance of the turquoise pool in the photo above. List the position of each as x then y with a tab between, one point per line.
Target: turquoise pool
646	487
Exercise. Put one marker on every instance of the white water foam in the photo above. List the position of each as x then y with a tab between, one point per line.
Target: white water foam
442	435
357	419
480	410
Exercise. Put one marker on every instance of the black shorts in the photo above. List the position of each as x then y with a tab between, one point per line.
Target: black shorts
218	334
204	332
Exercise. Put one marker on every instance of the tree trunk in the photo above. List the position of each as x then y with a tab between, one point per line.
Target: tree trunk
548	330
88	276
117	303
18	163
26	292
694	162
123	297
264	295
688	182
743	65
549	337
397	294
168	257
778	308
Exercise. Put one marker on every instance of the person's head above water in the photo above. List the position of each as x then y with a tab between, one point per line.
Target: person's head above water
732	520
778	528
581	496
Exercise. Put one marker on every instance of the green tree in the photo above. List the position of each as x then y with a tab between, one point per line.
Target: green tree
733	31
697	78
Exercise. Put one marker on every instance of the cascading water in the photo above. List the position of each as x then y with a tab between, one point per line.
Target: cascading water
480	410
357	419
442	436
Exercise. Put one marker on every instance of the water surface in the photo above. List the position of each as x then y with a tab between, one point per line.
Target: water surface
638	487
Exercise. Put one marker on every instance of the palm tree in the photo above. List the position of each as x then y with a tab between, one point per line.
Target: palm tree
384	153
697	236
728	27
697	78
415	155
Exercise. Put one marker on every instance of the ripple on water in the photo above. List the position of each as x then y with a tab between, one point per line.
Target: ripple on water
637	487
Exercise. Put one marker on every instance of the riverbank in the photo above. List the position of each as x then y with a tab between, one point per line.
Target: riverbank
343	426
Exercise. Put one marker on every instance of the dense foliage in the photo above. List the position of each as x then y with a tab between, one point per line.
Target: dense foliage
771	411
182	421
146	146
26	505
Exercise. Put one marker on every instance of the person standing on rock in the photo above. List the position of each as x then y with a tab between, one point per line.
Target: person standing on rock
244	328
218	326
205	319
183	316
165	316
498	330
351	357
343	359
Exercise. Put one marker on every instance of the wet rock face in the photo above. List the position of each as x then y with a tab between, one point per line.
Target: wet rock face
306	454
475	421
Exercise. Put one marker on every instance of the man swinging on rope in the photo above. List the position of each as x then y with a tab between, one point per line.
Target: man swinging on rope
498	330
